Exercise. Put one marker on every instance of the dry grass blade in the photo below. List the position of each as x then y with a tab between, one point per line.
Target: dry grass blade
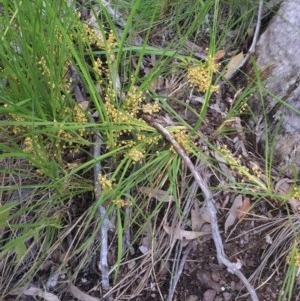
179	270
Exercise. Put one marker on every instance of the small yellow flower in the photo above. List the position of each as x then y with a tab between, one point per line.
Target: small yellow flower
135	155
132	101
296	193
182	137
200	76
122	203
151	108
294	257
106	184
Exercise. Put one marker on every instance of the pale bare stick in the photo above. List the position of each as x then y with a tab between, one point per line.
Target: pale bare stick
210	203
105	223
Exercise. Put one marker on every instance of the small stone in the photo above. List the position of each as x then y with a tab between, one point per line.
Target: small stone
227	296
192	298
209	295
215	276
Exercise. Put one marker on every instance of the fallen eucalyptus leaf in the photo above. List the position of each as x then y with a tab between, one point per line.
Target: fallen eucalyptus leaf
79	294
283	185
35	291
233	65
177	233
219	55
232	215
244	209
199	216
158	194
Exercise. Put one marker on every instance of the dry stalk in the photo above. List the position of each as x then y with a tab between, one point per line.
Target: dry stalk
210	203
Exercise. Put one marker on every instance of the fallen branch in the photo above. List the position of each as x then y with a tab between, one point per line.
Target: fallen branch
105	223
210	203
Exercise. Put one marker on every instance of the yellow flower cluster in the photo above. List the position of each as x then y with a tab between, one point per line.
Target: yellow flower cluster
99	70
91	36
28	145
182	137
150	139
132	101
43	147
200	76
296	193
43	67
127	113
18	128
243	108
122	203
297	258
33	146
294	257
151	108
79	117
115	115
127	116
135	155
256	171
72	114
110	44
235	163
95	37
105	182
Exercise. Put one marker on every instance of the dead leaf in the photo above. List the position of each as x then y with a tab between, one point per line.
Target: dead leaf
177	233
232	215
244	209
295	206
233	65
35	291
80	295
158	194
283	185
84	105
145	244
199	216
219	55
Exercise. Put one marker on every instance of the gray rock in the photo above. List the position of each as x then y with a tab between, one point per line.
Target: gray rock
279	64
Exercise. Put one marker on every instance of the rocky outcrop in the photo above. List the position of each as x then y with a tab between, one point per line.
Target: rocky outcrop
278	60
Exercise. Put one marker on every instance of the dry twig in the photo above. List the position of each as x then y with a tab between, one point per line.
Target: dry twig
106	224
210	203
